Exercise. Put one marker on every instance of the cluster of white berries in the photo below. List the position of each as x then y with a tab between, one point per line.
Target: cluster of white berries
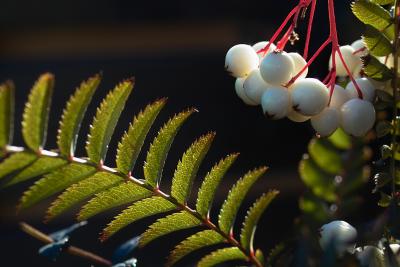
341	236
263	78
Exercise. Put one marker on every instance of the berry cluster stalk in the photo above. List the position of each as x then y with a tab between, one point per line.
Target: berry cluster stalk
396	55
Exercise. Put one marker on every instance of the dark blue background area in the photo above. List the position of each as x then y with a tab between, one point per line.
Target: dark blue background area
190	74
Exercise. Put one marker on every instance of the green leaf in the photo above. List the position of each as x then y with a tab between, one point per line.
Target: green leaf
374	15
121	194
194	242
340	139
172	223
106	119
252	218
235	197
132	141
383	128
188	166
314	207
41	166
385	200
138	210
16	162
320	182
55	182
158	151
325	156
260	256
36	112
80	191
73	115
7	99
376	70
220	256
383	2
377	43
210	184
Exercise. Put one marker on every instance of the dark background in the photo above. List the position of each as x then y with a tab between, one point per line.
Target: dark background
174	49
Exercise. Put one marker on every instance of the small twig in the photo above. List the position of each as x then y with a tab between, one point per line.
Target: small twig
35	233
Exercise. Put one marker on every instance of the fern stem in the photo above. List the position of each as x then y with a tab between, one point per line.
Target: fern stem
30	230
396	46
205	221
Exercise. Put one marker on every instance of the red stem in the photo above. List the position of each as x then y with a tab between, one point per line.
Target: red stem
335	46
309	29
320	49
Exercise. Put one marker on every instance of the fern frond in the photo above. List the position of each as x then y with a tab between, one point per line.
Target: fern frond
99	188
138	210
210	184
221	256
7	100
121	194
81	191
41	166
188	166
253	215
235	197
105	121
160	146
55	182
132	141
73	115
194	242
16	162
36	112
174	222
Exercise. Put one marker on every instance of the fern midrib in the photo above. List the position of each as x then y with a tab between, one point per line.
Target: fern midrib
101	167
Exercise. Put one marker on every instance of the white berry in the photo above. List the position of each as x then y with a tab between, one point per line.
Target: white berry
277	68
339	97
357	116
309	96
352	61
299	63
240	92
326	122
275	102
369	256
260	45
254	86
240	60
366	87
297	117
359	48
339	234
